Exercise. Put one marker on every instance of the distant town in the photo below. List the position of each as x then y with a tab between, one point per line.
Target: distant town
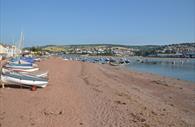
182	50
7	51
186	50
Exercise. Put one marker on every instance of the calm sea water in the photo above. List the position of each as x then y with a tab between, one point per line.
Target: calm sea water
185	71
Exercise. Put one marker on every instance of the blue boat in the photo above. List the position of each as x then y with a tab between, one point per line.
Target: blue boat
28	59
22	60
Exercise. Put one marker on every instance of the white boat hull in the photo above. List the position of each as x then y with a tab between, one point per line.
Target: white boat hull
18	66
34	73
12	80
19	70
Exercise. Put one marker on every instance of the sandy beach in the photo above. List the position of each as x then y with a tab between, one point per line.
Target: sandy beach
93	95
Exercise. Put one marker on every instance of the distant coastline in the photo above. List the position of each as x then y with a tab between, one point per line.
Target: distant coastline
182	50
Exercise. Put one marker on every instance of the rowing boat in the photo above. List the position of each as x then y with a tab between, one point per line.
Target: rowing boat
21	79
5	69
21	66
27	72
114	63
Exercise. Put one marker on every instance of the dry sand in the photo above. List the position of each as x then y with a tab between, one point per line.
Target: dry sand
92	95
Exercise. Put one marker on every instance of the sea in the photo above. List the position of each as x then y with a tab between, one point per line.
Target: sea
181	69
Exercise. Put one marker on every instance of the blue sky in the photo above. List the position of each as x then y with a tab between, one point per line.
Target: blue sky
130	22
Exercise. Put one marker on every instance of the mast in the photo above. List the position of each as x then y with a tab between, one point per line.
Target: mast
20	43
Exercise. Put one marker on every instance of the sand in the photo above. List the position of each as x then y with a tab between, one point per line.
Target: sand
93	95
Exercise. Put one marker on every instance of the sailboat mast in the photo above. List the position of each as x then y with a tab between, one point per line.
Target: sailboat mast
21	43
22	46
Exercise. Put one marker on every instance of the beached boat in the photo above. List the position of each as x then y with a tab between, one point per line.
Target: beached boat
18	62
66	59
4	69
21	66
37	59
20	79
22	60
114	63
32	73
28	59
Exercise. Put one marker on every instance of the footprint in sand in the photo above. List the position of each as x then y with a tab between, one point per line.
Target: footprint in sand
119	102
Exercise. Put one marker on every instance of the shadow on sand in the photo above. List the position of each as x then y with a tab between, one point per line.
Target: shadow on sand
17	86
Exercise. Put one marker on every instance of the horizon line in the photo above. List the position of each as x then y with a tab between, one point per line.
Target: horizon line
110	44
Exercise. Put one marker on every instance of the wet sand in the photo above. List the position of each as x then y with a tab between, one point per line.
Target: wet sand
92	95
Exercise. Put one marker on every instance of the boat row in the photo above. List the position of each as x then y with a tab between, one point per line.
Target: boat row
23	71
100	60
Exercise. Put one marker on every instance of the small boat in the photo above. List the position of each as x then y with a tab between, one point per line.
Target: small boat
66	59
127	61
114	63
20	79
121	61
32	73
23	66
22	60
4	69
28	59
37	59
18	62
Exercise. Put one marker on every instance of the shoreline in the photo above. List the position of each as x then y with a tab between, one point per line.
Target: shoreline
159	75
87	94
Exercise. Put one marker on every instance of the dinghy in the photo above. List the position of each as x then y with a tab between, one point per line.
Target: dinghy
114	63
20	79
28	59
37	59
21	66
32	73
5	69
19	62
